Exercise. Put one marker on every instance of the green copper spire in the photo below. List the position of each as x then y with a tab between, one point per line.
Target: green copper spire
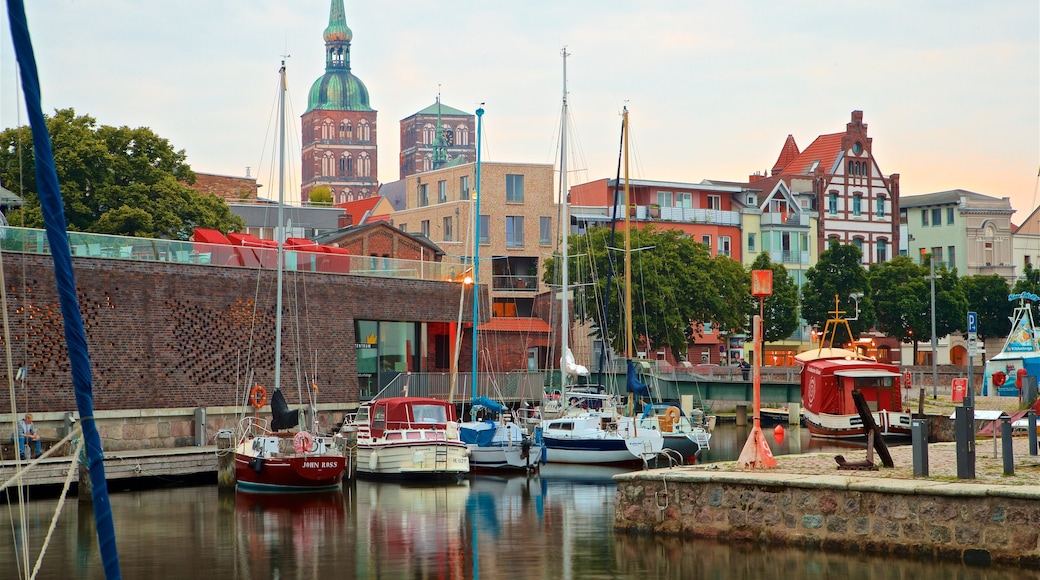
440	148
338	89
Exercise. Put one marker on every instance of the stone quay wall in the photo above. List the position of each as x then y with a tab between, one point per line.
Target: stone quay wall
911	518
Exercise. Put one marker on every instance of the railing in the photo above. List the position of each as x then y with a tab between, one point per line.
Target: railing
515	283
34	241
512	387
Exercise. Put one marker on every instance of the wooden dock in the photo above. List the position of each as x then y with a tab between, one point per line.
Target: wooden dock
136	464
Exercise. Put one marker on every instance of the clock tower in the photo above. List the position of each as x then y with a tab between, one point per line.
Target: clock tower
339	127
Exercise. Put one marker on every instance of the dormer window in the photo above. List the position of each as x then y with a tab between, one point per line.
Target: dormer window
857	148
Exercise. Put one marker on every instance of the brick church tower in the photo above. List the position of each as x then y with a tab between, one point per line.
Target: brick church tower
339	127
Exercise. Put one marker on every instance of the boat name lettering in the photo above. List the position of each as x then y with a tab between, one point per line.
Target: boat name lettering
320	464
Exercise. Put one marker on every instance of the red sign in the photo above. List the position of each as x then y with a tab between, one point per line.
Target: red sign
761	283
960	387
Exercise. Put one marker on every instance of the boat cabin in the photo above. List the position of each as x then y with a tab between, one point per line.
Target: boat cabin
406	413
827	386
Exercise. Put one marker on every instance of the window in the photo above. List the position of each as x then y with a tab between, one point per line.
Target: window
936	216
951	255
858	243
751	242
924	256
684	200
724	245
924	218
664	198
706	240
545	230
882	250
857	204
442	191
447	229
424	195
937	257
514	231
1028	261
424	228
464	187
714	202
881	206
403	227
515	188
832	203
485	229
949	215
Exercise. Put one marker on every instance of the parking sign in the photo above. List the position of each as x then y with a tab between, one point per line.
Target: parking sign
973	322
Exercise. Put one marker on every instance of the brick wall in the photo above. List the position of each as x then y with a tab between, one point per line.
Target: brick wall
227	187
166	335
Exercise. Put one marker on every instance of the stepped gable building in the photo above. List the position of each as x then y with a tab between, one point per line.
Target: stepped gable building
424	148
339	127
856	203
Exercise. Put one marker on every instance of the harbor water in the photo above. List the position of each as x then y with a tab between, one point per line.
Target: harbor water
558	524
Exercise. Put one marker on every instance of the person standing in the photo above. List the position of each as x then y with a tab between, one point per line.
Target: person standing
27	432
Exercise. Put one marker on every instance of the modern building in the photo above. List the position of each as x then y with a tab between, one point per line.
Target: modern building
962	229
339	126
424	147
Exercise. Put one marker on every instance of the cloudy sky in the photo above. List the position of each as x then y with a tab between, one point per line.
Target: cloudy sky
950	90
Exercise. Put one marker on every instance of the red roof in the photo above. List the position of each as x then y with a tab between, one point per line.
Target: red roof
824	149
515	324
787	153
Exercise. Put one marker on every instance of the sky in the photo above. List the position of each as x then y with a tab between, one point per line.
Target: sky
950	90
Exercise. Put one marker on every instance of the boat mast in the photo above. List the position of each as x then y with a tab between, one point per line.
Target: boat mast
476	257
628	246
565	229
280	231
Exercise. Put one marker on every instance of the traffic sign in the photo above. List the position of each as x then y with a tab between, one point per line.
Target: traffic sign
973	322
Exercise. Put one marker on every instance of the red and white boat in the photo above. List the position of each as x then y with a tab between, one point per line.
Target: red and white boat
830	375
409	438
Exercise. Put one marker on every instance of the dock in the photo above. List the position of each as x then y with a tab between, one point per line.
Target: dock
120	466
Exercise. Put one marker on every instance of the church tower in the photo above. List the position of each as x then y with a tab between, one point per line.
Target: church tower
339	127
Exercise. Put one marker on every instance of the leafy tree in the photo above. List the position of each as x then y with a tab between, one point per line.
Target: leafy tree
988	296
901	299
676	285
839	272
320	195
1029	282
781	308
114	180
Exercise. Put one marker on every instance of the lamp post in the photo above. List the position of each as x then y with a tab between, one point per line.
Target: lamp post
935	367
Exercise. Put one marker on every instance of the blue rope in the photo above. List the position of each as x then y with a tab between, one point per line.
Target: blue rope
57	236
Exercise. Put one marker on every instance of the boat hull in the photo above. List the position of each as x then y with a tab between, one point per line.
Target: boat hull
890	424
424	460
504	457
289	474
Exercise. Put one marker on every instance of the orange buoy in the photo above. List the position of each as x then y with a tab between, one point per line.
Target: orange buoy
778	434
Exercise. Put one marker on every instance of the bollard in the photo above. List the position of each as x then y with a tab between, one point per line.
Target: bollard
1008	445
919	441
964	431
741	415
225	459
1031	426
794	414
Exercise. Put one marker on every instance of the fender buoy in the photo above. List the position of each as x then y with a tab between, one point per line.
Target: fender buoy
303	442
258	397
671	417
373	461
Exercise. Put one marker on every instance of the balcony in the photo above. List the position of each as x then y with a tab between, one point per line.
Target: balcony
513	283
664	214
800	219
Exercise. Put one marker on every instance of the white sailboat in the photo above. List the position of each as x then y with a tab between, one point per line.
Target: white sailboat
593	431
267	457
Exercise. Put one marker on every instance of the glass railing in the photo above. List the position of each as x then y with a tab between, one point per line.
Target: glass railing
314	259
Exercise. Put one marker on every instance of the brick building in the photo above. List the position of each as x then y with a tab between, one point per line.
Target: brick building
339	126
424	148
232	189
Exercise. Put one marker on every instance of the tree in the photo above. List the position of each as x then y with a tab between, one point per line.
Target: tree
781	308
320	195
839	272
676	285
1029	282
114	180
900	295
988	296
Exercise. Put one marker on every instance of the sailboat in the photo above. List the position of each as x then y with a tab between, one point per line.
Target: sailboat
593	431
268	457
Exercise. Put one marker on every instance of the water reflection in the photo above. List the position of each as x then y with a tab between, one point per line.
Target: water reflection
555	525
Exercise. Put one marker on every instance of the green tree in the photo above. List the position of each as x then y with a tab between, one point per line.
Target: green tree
781	308
114	180
900	295
839	272
988	296
676	285
1029	282
320	195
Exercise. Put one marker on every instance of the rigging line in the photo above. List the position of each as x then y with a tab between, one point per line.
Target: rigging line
57	510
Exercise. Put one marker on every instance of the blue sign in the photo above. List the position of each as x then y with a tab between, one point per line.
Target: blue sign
973	322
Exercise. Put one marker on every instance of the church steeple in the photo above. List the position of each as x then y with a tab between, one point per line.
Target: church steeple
337	38
440	148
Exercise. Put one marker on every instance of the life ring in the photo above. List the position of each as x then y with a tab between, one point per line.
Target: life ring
258	397
302	442
671	416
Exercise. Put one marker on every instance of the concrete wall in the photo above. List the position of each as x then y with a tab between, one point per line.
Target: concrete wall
958	521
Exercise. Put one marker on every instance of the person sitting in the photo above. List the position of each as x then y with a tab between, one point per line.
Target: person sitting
27	432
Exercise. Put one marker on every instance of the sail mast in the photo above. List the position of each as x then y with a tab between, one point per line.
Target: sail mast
280	231
565	228
476	255
628	247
